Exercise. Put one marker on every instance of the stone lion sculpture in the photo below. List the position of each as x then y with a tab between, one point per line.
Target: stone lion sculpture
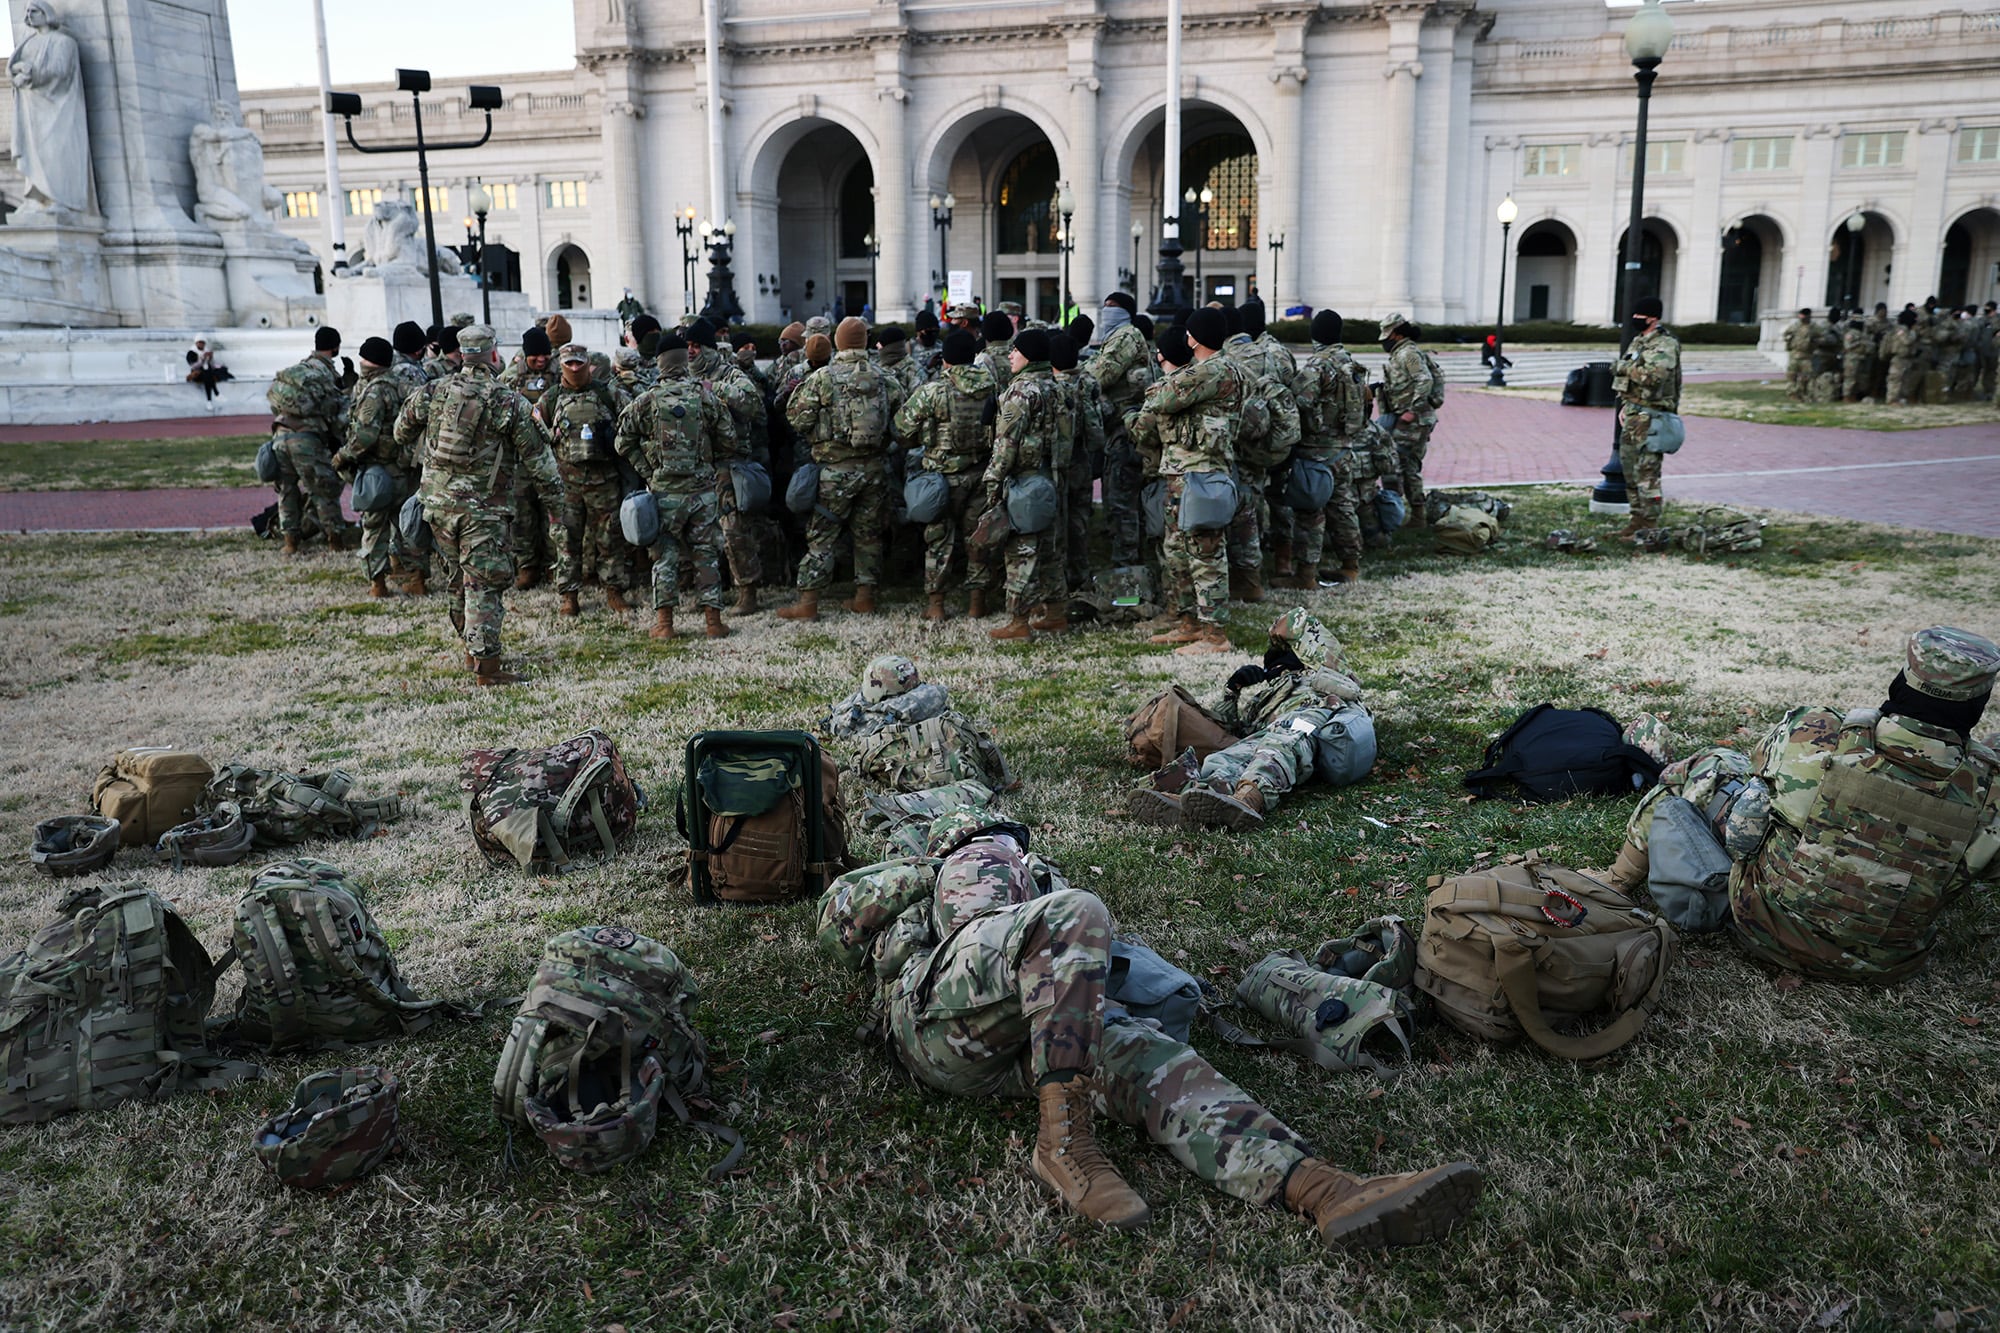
391	240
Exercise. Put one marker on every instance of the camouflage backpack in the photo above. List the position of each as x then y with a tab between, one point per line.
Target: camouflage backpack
297	393
550	808
285	809
316	969
1436	502
601	1040
947	748
340	1125
1721	528
107	1004
863	409
1464	530
903	820
1350	994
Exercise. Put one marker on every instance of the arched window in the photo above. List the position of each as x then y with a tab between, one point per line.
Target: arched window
1226	165
857	210
1026	216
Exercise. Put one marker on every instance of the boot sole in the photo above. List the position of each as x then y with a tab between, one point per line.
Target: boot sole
1425	1212
1211	809
1150	807
1049	1187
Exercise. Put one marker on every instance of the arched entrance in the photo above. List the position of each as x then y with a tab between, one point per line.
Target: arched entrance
1659	255
1753	257
1857	261
1545	272
569	277
1969	272
1218	155
1002	172
825	194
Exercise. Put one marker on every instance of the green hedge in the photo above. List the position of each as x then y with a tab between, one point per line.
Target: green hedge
1360	332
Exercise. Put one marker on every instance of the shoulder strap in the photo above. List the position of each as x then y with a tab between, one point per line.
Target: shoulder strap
1515	964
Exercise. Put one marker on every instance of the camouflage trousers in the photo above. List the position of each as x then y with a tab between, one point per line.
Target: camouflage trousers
688	521
1073	530
1123	480
593	543
1906	378
382	537
476	551
1277	758
1195	564
853	498
1798	376
1857	378
1018	993
1338	521
741	540
949	540
1642	466
306	479
1412	440
1033	563
537	549
1246	548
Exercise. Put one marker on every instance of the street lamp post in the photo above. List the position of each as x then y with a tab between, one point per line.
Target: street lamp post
1201	201
873	244
1507	212
684	228
417	82
1066	240
722	305
1857	222
941	223
1647	38
1138	234
482	204
1276	240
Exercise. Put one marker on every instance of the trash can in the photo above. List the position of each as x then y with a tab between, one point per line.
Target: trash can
1600	394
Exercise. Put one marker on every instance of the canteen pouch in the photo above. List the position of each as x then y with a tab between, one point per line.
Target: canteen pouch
753	487
267	460
639	518
1310	486
1153	504
410	520
1687	869
1032	504
1208	501
802	492
1665	433
375	491
925	496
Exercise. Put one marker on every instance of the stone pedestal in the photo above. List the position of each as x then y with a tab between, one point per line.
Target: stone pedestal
269	279
54	273
377	302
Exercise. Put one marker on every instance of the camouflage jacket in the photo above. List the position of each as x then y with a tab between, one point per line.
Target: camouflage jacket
476	435
1034	430
307	396
1407	381
1901	343
1087	411
1195	412
580	423
1333	404
846	409
411	369
530	384
1878	328
1855	344
377	399
676	434
1799	338
438	367
903	368
721	376
1250	710
946	418
1265	355
994	356
1649	374
1123	367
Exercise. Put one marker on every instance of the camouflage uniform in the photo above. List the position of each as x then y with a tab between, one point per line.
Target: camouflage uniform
845	409
1798	357
309	404
995	358
1123	368
1903	350
1195	414
1857	362
1086	460
721	376
1280	520
944	418
371	438
581	424
1647	379
895	360
678	435
1277	717
1034	432
536	553
1408	380
479	438
1333	416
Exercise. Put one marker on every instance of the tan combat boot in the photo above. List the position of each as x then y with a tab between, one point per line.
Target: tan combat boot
378	586
934	611
1632	525
806	608
1238	811
864	599
1348	574
1381	1211
663	624
1049	618
1630	870
712	625
1244	586
1017	627
615	599
487	671
1186	630
1212	638
568	606
746	600
291	543
524	579
976	608
1161	809
417	585
1283	558
1068	1160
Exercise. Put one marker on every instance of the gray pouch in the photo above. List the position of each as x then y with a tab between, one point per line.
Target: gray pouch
1688	873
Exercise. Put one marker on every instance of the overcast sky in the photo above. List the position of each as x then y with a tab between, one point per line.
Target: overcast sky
367	40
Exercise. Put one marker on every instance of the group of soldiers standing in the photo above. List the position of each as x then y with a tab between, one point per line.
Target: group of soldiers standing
1926	354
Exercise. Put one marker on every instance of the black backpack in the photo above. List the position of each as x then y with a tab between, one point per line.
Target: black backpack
1554	753
1576	388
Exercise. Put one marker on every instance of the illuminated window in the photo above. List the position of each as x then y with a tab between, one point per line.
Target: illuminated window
1664	157
503	197
567	194
1226	165
1552	159
440	200
1872	150
1026	217
360	203
301	203
1773	154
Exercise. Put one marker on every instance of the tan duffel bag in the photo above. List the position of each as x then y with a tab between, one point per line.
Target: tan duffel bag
1504	951
150	789
1170	722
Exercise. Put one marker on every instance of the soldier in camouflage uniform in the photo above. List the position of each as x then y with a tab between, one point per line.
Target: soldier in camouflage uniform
992	983
477	437
1124	369
721	376
1826	357
1269	433
376	400
1799	339
309	406
1081	470
531	376
845	410
1878	327
680	438
1333	416
1857	360
1647	379
1033	432
1412	382
946	418
1195	413
1281	528
445	358
580	417
1987	344
893	355
1904	351
409	343
998	331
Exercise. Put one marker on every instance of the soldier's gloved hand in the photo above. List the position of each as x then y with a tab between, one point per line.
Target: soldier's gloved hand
1392	482
1246	676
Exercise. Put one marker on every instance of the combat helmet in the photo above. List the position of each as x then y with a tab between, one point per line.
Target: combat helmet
1383	951
888	676
219	838
600	1111
341	1124
74	844
952	831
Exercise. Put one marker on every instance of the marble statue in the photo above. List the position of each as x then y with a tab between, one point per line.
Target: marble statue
51	134
391	241
229	171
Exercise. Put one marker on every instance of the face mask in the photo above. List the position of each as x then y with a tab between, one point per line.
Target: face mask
1640	322
576	376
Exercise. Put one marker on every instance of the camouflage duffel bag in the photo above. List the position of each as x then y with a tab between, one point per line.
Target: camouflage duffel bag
340	1125
550	809
948	748
602	1040
1436	502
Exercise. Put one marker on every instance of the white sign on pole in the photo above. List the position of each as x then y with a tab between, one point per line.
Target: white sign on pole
958	286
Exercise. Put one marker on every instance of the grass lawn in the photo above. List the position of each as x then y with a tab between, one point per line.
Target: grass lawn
1767	1154
1766	401
129	465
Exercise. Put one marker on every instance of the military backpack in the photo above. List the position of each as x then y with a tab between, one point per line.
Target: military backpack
1433	396
948	747
551	808
285	809
763	816
1464	530
459	444
149	789
601	1040
1170	722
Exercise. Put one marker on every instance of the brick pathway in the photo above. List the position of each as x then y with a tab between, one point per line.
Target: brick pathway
1942	480
180	428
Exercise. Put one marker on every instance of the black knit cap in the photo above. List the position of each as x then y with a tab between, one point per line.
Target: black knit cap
1032	344
1208	327
377	352
326	339
890	334
536	343
409	338
959	348
996	327
1175	347
1062	351
1327	327
1080	329
701	333
1253	319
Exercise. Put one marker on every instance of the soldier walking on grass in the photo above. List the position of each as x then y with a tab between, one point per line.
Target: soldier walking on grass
376	401
310	406
1647	379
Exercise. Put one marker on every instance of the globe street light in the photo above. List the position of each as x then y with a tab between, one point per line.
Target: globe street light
941	222
873	245
1507	212
684	228
482	204
722	305
1066	240
1857	222
1132	278
1647	38
1201	201
1276	241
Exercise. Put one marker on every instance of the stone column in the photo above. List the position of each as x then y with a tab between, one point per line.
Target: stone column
1919	256
1820	145
1701	249
1288	78
895	203
1089	276
624	109
1398	153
